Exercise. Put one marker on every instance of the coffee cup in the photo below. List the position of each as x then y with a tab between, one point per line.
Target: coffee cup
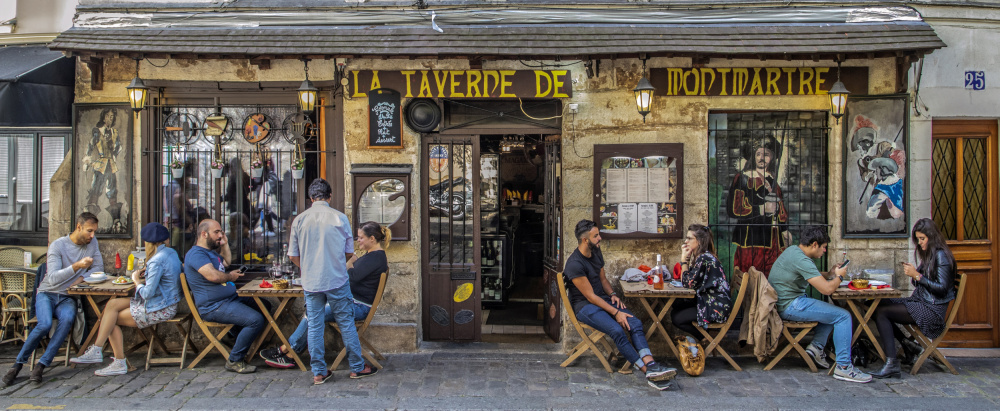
97	274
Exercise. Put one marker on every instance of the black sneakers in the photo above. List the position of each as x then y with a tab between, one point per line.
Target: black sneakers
657	372
239	367
11	375
36	373
275	358
369	370
660	385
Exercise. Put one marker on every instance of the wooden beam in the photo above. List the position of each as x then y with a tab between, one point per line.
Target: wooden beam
96	66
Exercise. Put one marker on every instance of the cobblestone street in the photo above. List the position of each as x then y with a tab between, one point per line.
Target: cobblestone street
487	376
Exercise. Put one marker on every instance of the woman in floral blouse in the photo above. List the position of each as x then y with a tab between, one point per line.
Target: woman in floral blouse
702	272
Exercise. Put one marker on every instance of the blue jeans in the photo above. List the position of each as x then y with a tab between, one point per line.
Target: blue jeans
239	312
341	305
634	351
47	307
298	339
830	318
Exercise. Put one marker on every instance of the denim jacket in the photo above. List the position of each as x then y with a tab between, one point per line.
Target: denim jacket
163	273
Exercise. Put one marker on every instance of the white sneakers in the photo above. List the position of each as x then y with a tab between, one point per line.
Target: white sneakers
92	356
117	367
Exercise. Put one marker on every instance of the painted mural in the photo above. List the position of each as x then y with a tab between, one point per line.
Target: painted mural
102	156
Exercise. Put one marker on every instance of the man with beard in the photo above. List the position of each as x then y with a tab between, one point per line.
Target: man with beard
70	259
215	294
756	202
596	304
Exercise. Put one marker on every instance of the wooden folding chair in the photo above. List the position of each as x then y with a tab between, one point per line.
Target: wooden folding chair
206	327
931	346
589	340
793	342
68	347
720	330
183	322
362	326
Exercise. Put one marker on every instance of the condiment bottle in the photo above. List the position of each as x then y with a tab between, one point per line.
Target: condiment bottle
657	274
118	261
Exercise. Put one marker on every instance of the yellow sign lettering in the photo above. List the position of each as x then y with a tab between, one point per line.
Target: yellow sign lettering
741	77
773	75
473	84
425	85
439	81
504	83
487	91
539	75
407	74
376	84
709	86
788	73
756	88
820	71
558	84
722	74
357	91
805	81
455	83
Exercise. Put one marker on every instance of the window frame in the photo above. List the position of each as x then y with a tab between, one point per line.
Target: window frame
37	236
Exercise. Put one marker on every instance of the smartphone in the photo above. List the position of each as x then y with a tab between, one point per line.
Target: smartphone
243	269
845	263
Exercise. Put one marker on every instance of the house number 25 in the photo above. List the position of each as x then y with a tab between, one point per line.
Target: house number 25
975	80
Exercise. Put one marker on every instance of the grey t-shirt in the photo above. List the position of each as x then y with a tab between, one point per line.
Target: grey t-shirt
321	236
59	265
790	275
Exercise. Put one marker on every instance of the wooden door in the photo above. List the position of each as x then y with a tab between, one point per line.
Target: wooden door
451	245
964	206
553	263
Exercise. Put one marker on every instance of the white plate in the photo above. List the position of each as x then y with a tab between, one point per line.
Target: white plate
95	281
845	283
876	283
125	283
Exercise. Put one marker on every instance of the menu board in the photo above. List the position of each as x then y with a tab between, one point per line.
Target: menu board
385	126
636	187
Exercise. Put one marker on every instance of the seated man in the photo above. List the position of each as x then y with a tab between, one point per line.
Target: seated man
596	305
215	294
791	273
70	259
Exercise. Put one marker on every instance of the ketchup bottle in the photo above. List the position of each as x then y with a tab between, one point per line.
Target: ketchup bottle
118	261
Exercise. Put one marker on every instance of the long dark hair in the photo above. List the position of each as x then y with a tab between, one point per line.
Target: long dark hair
104	113
935	242
381	234
704	237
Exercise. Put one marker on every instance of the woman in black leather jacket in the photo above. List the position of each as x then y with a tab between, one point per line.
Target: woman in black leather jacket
934	287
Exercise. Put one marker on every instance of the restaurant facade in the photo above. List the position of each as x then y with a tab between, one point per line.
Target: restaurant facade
482	135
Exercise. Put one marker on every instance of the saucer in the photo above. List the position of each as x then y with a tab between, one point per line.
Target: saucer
91	280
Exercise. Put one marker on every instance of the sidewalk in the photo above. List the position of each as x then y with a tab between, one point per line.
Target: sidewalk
489	376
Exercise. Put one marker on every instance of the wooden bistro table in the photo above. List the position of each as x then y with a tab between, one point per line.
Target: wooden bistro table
854	298
650	299
253	289
105	290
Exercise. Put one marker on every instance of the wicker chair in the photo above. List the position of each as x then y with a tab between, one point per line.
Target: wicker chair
16	287
12	257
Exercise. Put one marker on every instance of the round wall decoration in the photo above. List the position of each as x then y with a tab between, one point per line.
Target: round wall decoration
464	317
422	115
218	125
440	315
256	128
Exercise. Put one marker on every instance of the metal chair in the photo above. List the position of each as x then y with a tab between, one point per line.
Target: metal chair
12	257
16	287
362	326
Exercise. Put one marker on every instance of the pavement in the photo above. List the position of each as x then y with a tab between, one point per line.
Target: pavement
494	376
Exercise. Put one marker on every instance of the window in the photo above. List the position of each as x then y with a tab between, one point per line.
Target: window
29	161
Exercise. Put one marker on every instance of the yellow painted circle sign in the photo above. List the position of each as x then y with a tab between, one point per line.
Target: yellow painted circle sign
463	292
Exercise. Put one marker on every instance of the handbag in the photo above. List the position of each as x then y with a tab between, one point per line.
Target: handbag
692	356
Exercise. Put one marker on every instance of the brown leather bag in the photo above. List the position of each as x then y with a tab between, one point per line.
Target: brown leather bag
692	356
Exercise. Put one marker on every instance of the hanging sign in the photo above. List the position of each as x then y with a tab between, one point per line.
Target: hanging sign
466	83
755	81
385	126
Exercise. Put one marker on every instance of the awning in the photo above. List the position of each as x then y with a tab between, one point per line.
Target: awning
36	87
538	33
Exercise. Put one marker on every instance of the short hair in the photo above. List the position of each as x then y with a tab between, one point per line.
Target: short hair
319	189
86	217
814	234
583	228
204	226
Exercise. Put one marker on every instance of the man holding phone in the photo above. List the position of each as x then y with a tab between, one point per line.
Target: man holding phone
795	270
214	292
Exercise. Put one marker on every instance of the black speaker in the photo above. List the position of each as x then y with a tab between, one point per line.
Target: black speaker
422	115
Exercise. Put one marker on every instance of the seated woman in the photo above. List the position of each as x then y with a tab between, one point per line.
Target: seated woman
155	301
365	273
702	272
933	282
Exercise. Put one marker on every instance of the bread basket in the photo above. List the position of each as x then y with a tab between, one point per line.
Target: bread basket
283	284
860	283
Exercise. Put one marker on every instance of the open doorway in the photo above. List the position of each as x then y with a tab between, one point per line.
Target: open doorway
514	193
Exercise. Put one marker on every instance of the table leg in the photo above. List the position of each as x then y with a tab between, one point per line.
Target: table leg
273	326
657	325
87	342
868	330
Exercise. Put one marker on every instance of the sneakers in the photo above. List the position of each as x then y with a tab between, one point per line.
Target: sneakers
240	367
657	372
319	379
117	367
369	370
94	355
275	358
36	373
851	374
11	375
660	385
818	356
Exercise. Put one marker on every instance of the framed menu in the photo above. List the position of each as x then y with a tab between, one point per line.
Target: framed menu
637	190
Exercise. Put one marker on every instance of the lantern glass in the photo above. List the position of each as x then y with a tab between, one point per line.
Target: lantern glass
307	97
838	100
137	94
643	96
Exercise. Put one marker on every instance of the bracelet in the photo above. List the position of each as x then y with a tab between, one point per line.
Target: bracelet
616	313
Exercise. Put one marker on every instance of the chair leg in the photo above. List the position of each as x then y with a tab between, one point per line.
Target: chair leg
793	343
366	344
577	351
213	343
149	346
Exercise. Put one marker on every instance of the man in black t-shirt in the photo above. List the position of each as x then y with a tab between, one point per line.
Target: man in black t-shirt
596	304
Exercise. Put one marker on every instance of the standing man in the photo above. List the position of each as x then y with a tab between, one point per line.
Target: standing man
70	259
596	304
214	292
320	244
792	272
756	202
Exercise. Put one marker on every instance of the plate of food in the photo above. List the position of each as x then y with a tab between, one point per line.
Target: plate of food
122	280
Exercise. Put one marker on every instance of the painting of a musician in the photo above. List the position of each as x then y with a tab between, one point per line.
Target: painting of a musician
103	166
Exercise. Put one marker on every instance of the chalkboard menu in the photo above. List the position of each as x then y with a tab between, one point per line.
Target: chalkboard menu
385	126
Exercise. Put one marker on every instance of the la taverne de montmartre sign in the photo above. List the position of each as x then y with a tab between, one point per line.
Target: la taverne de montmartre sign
755	81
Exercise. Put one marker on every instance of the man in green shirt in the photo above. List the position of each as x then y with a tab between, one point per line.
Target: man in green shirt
795	270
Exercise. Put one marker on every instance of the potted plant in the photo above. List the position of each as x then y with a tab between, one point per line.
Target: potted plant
216	166
256	167
177	168
298	168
